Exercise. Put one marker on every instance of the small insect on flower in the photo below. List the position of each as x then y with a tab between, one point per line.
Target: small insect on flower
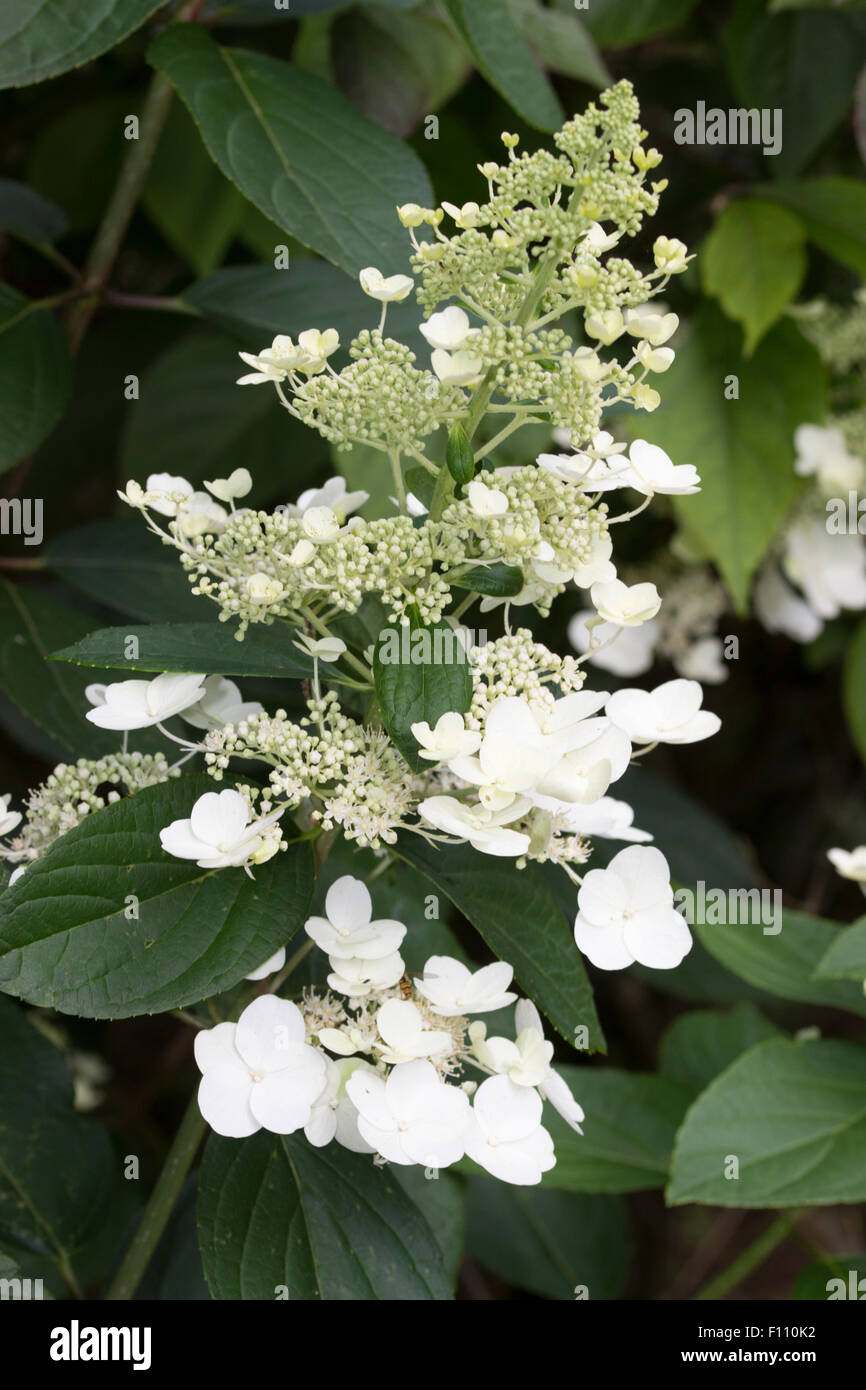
405	985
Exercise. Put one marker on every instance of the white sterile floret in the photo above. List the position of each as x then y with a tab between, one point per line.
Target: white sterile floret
237	484
452	989
139	704
606	325
331	494
607	818
507	1138
268	967
669	714
626	913
333	1115
165	492
598	240
219	833
653	471
317	347
264	588
456	368
624	651
486	502
8	819
486	830
320	525
220	704
823	453
259	1073
347	931
779	608
448	329
273	363
627	605
670	255
387	289
703	661
651	323
850	864
449	739
588	473
654	359
552	1086
320	648
405	1034
200	515
413	1117
829	568
357	976
466	216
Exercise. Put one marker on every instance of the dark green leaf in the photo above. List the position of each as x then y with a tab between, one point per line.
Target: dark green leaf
821	1281
208	647
518	916
792	1114
276	1214
35	376
62	1191
420	672
628	1133
26	214
440	1199
297	149
555	1244
500	53
621	23
31	625
854	689
38	41
69	944
561	42
834	212
845	958
122	565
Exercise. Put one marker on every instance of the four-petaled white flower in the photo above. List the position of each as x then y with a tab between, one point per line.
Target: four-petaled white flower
8	819
348	931
452	989
626	913
138	704
606	325
273	363
449	739
219	833
220	704
320	525
456	368
651	323
552	1087
331	494
200	515
448	329
508	1139
237	484
669	714
486	502
653	471
486	830
165	492
333	1115
413	1117
321	648
259	1073
466	216
386	289
357	976
405	1035
627	605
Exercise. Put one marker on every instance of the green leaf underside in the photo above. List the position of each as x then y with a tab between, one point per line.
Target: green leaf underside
502	56
67	943
120	564
520	920
743	446
297	149
845	957
35	376
702	1043
754	262
794	1116
324	1223
784	964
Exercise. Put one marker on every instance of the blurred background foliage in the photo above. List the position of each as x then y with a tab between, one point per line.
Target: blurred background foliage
115	365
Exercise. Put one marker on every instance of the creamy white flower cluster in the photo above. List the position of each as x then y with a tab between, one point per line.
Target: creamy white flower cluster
379	1068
